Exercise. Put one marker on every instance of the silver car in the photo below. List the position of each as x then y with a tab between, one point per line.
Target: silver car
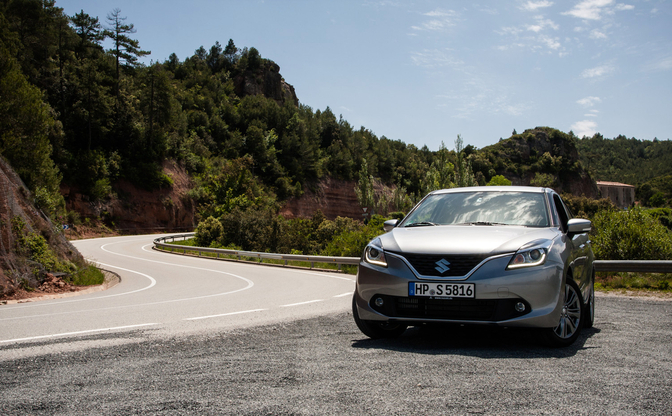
508	256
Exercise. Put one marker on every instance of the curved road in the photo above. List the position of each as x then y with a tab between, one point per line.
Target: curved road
176	294
190	336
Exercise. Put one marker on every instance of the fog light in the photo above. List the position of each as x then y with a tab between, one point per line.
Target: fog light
379	302
520	307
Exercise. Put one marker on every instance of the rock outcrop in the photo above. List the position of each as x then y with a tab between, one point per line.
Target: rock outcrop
266	81
16	205
141	211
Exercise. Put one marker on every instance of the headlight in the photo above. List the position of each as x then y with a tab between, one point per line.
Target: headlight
374	254
530	255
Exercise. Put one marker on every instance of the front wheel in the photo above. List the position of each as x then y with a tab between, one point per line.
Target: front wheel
569	325
375	329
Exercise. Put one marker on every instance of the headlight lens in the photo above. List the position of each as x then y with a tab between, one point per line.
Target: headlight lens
530	256
374	254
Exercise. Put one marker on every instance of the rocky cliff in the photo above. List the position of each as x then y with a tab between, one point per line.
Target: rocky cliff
16	207
265	80
522	158
134	210
333	197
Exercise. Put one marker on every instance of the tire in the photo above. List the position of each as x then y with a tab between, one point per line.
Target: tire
571	318
375	329
589	318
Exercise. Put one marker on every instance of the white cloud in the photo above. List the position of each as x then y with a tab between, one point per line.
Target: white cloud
589	9
589	101
596	34
434	58
597	72
664	64
542	24
550	42
584	128
535	5
624	7
514	31
440	20
593	9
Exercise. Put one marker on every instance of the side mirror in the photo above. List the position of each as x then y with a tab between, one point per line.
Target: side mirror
578	226
389	225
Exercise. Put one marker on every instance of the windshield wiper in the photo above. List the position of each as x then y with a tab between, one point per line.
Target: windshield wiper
420	224
484	223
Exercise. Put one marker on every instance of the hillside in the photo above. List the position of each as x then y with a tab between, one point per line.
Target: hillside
30	244
541	156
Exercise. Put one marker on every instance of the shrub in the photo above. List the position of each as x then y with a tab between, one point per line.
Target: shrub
630	235
208	231
499	180
351	243
663	215
87	276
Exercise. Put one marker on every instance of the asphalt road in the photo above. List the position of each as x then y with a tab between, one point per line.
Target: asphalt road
308	358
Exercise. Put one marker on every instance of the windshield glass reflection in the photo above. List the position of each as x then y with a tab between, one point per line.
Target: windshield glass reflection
481	208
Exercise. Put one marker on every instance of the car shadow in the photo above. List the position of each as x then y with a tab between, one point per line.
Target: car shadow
476	341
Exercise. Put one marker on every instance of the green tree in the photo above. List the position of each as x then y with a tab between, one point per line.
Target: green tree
441	172
464	175
26	124
499	180
364	189
126	50
90	34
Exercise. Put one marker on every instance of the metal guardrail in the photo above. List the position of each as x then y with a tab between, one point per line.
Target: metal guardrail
159	243
634	266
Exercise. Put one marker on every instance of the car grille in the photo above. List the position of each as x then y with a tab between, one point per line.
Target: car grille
426	264
449	309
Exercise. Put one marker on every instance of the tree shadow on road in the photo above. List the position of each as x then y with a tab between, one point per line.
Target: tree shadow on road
477	341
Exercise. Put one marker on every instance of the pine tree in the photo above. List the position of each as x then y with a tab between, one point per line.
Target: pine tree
126	51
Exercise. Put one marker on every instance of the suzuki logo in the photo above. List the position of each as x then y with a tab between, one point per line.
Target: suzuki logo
442	266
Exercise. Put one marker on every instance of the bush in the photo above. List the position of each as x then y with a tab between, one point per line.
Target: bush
87	276
630	235
663	215
584	207
254	229
351	243
208	232
499	180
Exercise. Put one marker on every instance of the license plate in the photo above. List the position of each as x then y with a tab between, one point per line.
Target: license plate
443	290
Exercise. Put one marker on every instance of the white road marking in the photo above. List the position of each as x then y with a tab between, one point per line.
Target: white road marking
301	303
76	333
224	314
151	284
323	274
342	295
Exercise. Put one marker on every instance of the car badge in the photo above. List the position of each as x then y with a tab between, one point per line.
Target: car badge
442	266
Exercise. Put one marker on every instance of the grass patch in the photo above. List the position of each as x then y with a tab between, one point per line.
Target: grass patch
88	276
634	281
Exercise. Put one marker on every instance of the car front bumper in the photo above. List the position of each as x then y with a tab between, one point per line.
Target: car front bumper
497	291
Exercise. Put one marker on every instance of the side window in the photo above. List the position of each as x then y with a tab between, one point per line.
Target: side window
562	212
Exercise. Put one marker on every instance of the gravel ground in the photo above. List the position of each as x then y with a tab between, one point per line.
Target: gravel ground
325	366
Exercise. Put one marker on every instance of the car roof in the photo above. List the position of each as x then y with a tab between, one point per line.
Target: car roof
529	189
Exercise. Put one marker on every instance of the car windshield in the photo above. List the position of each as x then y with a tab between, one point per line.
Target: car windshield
481	208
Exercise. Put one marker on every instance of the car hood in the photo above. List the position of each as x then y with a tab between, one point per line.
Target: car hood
463	239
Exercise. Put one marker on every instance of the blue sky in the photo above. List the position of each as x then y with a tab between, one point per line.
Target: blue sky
425	71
